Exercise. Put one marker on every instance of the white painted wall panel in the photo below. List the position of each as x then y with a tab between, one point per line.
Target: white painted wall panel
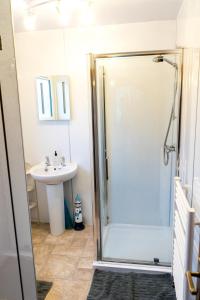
196	185
196	181
188	118
188	24
40	54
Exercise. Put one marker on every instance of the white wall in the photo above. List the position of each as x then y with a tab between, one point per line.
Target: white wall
188	36
188	118
188	24
65	52
40	54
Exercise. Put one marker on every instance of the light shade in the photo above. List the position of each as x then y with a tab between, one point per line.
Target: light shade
30	21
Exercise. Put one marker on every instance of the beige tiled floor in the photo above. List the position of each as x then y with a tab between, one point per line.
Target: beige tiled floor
65	260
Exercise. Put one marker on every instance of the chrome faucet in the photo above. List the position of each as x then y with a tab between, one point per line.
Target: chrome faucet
47	163
63	164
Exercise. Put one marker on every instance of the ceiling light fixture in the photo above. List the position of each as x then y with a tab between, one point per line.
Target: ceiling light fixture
63	12
87	15
30	21
65	9
19	4
63	19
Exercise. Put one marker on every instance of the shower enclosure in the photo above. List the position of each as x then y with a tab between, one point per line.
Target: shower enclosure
136	104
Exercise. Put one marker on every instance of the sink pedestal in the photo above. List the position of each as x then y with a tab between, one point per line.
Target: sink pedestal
55	198
53	177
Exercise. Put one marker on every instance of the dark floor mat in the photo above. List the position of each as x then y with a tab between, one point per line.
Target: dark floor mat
131	286
43	288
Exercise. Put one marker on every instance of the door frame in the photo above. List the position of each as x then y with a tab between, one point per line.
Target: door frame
11	251
94	108
10	110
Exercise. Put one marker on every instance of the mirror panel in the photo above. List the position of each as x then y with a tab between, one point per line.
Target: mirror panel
53	98
44	97
63	100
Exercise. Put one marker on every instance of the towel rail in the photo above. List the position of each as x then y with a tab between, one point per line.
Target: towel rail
183	240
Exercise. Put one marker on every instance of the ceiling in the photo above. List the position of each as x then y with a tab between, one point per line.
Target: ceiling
104	12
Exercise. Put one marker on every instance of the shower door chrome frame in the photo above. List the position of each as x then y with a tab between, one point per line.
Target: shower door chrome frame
93	77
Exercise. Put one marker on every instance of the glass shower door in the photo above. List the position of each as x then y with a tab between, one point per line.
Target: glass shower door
135	97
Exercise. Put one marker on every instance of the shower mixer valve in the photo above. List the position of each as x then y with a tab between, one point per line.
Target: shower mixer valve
169	149
166	151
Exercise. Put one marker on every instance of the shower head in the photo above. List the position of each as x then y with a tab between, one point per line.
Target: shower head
160	58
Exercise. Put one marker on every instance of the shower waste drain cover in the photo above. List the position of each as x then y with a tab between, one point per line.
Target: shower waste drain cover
156	260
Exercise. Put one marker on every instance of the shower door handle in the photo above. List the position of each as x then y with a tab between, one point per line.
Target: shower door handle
193	290
106	167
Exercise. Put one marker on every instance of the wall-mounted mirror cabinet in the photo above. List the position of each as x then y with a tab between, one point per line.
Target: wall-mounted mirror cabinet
53	98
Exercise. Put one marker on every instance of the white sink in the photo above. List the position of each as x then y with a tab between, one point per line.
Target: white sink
54	178
54	175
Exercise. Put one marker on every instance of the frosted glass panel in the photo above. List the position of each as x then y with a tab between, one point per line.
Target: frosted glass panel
134	105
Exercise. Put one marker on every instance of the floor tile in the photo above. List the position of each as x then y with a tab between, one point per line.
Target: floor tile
86	233
75	290
56	292
90	242
64	238
58	266
88	253
67	250
83	274
66	260
42	252
85	263
79	242
39	237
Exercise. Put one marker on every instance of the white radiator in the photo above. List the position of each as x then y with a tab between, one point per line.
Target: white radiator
183	240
